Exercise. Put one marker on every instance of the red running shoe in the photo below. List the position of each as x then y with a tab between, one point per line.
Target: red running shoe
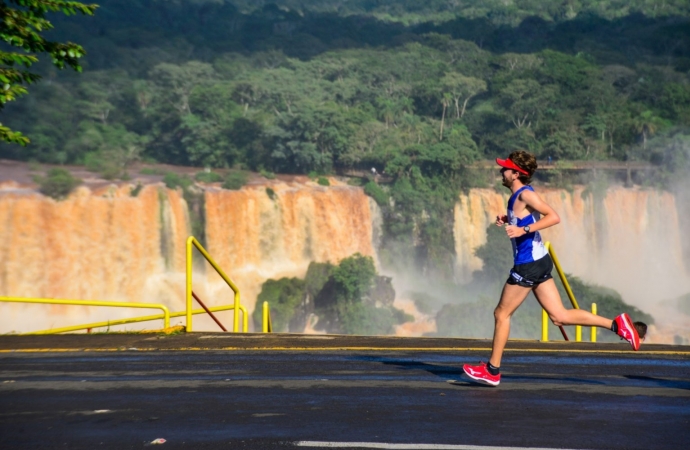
627	331
480	374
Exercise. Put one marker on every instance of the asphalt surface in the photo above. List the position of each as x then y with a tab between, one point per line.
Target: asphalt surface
219	391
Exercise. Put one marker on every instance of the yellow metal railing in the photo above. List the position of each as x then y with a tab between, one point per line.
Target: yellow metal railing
267	325
52	301
568	290
571	296
112	323
191	241
593	336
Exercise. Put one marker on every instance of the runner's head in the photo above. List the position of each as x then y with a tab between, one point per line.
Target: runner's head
641	328
522	163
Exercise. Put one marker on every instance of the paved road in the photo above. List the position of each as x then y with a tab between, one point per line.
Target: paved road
597	398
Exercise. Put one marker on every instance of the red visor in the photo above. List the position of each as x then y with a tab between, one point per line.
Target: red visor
509	164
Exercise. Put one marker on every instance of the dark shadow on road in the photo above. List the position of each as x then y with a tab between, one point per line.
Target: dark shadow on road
456	373
662	382
469	384
540	379
446	372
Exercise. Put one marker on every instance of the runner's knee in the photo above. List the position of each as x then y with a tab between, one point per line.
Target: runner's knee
501	314
557	319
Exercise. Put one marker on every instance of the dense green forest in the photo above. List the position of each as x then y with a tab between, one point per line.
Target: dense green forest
418	90
296	86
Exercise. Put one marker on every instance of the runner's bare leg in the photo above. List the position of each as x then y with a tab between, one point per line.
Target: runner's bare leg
549	298
511	298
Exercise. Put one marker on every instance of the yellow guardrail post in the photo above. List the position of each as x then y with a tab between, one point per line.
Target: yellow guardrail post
245	319
561	275
544	326
267	325
191	240
593	337
114	304
188	288
566	285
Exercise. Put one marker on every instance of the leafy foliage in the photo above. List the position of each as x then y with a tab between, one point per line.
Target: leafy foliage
283	296
354	277
173	180
234	180
22	25
375	191
208	177
57	183
347	298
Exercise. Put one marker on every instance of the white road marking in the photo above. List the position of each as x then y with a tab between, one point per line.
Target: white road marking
385	445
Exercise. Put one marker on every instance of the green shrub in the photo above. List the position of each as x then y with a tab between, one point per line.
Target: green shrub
235	180
173	180
323	181
151	171
317	276
57	183
208	177
104	165
313	175
375	191
283	297
111	172
354	277
93	162
266	174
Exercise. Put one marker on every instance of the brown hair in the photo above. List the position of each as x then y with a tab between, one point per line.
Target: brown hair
525	161
641	328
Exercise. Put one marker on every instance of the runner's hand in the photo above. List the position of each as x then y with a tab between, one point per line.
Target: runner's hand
514	232
501	220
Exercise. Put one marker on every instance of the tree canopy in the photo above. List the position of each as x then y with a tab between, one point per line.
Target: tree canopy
23	25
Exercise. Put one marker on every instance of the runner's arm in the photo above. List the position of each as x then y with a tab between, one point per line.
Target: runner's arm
549	217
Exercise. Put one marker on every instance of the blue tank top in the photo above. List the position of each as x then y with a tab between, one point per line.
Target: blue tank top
530	247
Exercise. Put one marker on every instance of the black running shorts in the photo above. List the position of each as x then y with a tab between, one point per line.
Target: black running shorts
531	274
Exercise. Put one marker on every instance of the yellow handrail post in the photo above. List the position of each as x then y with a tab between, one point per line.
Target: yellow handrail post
544	326
267	325
566	285
593	337
188	294
191	240
245	319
